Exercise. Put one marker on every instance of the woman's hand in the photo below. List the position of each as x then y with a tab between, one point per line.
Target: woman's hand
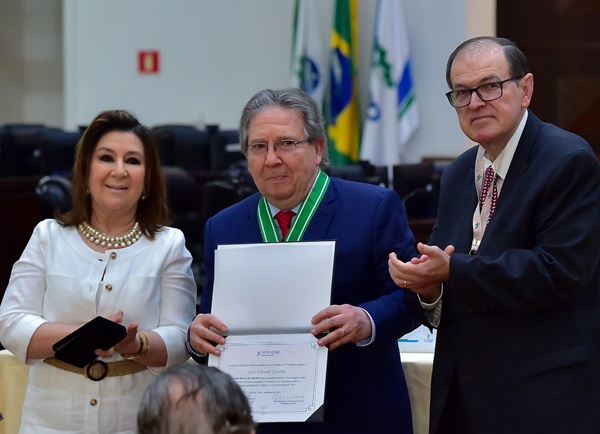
130	344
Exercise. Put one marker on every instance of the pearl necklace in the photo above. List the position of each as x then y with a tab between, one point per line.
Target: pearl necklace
101	239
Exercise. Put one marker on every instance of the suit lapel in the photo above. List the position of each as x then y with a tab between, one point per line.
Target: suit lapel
321	221
251	215
465	219
517	169
520	161
458	202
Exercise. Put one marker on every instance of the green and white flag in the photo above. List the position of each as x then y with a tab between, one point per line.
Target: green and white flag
309	53
392	114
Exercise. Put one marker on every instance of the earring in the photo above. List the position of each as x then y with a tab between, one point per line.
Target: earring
143	198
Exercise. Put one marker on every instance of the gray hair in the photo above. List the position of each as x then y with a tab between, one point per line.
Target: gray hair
291	99
194	399
517	62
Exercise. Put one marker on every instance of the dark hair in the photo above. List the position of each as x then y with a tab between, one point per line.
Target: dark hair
517	62
291	99
194	399
152	212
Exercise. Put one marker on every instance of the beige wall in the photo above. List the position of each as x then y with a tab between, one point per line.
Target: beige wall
31	62
481	17
32	69
481	21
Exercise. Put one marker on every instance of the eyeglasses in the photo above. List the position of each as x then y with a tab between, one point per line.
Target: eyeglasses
259	149
486	92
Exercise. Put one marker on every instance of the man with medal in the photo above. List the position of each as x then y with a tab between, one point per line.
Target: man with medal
283	139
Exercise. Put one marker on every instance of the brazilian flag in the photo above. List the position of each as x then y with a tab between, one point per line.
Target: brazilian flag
344	127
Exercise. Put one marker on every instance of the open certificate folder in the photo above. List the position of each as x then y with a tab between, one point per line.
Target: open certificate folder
267	294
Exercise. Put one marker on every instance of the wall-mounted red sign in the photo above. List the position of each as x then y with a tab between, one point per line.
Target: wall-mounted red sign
148	62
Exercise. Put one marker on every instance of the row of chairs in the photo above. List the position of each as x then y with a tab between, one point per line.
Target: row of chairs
192	203
195	149
34	149
417	184
38	150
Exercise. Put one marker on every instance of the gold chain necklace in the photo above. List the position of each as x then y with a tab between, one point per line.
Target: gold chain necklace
101	239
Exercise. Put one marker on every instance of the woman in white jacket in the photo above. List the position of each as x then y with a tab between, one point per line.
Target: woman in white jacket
111	255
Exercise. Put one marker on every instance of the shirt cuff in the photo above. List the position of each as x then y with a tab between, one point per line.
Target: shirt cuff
433	311
431	306
368	341
188	344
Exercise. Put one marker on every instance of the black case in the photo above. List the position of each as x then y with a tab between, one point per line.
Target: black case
78	347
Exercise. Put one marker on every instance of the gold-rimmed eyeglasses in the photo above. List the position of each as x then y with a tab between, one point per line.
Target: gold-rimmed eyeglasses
283	146
486	92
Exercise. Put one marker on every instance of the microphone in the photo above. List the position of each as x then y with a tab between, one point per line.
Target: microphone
426	189
422	200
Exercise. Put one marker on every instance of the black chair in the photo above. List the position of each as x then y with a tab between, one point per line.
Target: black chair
363	171
58	151
350	172
183	195
418	186
184	146
379	175
219	195
54	194
20	150
163	139
229	150
235	185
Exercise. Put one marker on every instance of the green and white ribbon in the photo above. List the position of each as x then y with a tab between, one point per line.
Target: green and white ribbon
305	213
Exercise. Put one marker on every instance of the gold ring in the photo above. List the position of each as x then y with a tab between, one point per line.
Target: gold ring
405	284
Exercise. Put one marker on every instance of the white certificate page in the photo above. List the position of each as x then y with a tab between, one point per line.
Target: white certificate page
267	294
272	287
283	376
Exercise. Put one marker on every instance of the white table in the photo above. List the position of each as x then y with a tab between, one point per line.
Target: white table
13	382
417	370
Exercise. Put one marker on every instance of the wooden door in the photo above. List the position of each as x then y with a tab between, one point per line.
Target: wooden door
561	39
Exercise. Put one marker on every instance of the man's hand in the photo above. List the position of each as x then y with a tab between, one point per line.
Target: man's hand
425	274
345	324
202	338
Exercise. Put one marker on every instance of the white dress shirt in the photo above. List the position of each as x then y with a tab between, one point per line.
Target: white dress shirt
433	311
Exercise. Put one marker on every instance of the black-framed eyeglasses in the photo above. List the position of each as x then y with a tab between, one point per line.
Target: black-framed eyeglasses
486	92
283	146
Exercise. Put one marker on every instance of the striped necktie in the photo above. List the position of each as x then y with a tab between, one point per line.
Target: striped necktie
490	181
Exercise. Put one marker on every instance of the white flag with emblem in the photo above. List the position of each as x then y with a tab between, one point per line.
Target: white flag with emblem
309	52
392	114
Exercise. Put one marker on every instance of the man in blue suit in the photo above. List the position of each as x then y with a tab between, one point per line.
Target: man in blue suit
512	265
284	141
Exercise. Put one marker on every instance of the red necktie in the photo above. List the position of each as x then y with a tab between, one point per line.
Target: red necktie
489	177
284	218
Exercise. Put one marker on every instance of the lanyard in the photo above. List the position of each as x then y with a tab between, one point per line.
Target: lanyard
305	213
